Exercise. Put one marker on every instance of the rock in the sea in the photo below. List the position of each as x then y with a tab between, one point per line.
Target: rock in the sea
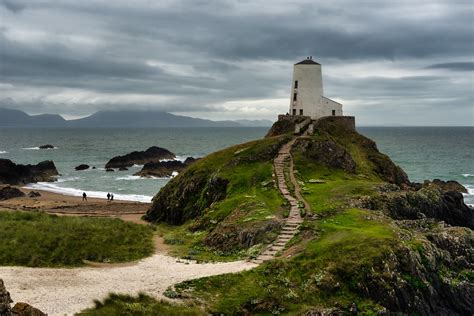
47	146
5	300
82	167
152	154
164	168
9	192
11	173
34	194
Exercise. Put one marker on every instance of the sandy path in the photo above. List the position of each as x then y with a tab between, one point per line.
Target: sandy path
68	291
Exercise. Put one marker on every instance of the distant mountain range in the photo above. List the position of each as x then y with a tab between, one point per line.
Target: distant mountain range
17	118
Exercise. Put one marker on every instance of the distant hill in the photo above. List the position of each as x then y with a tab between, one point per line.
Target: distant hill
16	118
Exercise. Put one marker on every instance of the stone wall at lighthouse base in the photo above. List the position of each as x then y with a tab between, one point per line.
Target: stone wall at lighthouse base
298	124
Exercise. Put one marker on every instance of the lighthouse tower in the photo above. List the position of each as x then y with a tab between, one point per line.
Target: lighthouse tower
307	98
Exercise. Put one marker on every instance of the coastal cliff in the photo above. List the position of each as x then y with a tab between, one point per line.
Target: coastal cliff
370	239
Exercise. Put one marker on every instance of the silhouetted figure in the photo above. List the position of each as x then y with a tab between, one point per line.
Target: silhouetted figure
353	309
108	196
84	196
111	196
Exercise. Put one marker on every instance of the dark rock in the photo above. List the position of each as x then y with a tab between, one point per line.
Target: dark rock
11	173
5	300
9	192
109	170
123	169
94	167
430	201
34	194
152	154
185	197
82	167
327	153
48	146
163	169
24	309
229	236
285	125
447	185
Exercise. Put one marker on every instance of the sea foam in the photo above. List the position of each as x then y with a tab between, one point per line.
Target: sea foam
50	187
3	152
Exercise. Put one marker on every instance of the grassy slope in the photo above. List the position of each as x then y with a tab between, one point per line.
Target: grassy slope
333	253
41	240
251	201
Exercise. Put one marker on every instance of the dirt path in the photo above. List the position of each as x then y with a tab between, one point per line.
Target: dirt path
284	162
68	291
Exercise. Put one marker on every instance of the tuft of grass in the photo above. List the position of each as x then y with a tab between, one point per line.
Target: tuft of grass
141	304
42	240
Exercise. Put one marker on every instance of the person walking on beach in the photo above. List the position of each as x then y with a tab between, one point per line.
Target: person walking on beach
111	197
108	196
84	196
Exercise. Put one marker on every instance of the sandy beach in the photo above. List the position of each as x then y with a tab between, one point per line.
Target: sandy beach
60	291
55	203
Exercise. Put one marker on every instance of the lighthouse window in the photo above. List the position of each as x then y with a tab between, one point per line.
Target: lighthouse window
301	112
294	111
294	96
296	84
333	112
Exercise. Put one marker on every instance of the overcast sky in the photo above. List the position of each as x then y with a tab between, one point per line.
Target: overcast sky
388	62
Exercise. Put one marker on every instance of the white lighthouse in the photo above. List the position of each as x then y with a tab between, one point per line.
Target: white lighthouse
307	98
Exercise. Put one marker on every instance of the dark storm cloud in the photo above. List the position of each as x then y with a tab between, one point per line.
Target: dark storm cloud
200	54
457	66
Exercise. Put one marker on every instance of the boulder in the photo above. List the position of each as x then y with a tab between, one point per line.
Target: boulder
34	194
82	167
152	154
11	173
25	309
163	169
9	192
447	185
47	146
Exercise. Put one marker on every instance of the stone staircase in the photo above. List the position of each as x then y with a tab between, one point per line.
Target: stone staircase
283	162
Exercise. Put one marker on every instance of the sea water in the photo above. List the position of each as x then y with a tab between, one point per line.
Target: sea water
423	152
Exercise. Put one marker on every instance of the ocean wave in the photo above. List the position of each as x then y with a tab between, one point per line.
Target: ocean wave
67	179
37	148
3	152
132	177
50	187
467	175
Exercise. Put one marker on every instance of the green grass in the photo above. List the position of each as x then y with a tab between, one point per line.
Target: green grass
41	240
142	304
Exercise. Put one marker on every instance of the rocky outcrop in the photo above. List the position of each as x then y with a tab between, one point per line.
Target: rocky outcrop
152	154
47	146
164	169
9	192
20	309
230	237
427	279
186	197
82	167
327	153
286	124
430	201
11	173
445	185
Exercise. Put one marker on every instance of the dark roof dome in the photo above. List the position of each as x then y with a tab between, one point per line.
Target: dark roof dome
308	61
